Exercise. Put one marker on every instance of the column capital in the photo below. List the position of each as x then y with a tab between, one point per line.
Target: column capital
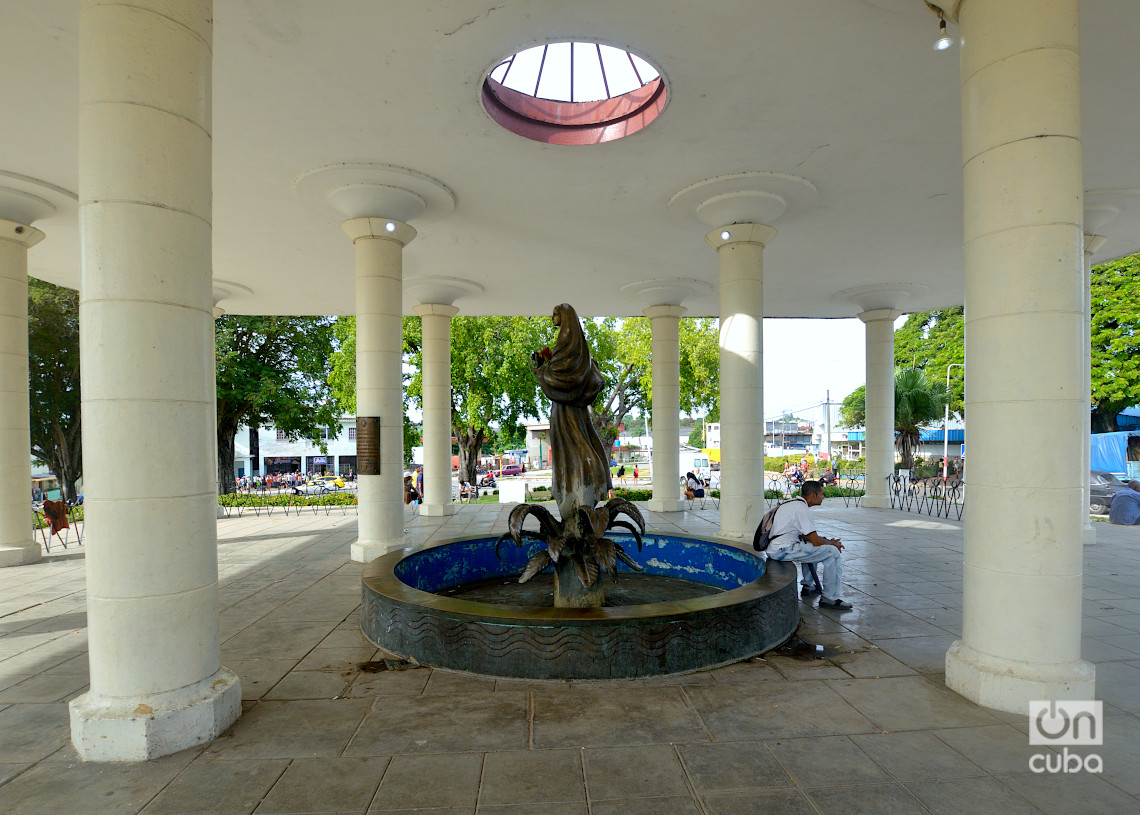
27	236
665	311
875	314
435	309
1093	243
380	229
761	234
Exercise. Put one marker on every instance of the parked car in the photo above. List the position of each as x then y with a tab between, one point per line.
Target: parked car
1104	485
510	469
320	485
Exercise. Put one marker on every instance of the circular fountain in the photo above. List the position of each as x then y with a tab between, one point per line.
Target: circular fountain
741	606
696	603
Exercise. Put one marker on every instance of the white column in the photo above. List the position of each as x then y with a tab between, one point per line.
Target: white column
880	404
1092	243
146	340
666	361
437	407
740	256
17	546
1025	339
379	353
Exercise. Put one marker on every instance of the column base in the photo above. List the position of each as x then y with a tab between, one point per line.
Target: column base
666	505
366	551
1088	534
875	502
437	510
1007	685
20	554
154	725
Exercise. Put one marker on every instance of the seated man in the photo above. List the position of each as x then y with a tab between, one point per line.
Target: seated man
1125	508
794	539
694	487
467	492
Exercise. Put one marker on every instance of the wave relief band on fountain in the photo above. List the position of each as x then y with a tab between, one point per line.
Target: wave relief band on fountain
757	611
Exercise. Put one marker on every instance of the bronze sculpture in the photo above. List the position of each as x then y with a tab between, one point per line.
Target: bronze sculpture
576	545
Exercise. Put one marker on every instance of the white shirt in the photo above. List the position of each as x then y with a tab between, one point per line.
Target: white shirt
792	520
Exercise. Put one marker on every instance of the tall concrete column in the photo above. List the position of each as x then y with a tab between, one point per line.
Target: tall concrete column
1025	339
666	361
880	404
1092	243
17	545
379	354
740	257
437	407
146	340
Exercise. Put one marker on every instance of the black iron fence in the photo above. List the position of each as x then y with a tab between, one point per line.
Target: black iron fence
849	487
930	496
52	530
287	500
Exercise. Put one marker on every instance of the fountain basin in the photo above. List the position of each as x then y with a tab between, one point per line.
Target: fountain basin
754	608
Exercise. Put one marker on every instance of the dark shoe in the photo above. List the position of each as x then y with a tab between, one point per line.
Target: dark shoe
836	604
806	592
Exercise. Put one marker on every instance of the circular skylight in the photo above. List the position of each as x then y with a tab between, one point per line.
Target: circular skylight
574	93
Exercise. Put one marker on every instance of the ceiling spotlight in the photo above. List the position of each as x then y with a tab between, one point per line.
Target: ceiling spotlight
943	42
391	227
724	235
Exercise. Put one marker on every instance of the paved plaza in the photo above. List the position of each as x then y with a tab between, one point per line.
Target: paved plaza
869	729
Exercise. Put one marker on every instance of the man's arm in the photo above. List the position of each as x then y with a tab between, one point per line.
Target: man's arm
815	539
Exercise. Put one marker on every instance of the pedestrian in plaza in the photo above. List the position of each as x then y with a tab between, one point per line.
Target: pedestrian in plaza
621	475
635	476
1125	509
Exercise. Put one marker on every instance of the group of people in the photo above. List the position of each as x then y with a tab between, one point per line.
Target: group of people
622	477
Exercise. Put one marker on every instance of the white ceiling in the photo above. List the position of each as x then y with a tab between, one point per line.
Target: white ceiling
847	94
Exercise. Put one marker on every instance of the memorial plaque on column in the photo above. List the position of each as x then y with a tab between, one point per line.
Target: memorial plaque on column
368	445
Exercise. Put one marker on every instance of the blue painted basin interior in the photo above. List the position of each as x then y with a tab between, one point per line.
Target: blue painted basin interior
467	561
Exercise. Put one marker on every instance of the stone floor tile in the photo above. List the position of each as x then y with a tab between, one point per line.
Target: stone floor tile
795	668
1117	684
439	780
672	805
612	717
532	777
44	688
259	675
776	710
872	799
916	756
310	685
30	732
210	787
910	703
450	682
826	761
325	785
339	660
8	771
633	772
528	809
298	729
961	795
760	670
732	766
275	640
1079	793
389	683
871	662
1000	748
438	724
762	802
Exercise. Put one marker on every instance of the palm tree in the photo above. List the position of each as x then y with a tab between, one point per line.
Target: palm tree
919	400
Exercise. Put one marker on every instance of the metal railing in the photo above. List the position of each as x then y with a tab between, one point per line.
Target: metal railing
930	496
851	484
285	500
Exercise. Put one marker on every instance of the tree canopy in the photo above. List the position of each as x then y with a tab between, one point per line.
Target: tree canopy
273	370
53	383
931	341
1115	301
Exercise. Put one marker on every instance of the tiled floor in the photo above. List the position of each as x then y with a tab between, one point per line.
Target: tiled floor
870	730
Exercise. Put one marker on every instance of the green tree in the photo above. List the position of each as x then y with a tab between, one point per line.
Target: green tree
53	382
1115	301
919	401
931	341
273	370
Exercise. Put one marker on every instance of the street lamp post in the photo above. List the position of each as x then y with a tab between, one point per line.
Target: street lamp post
946	422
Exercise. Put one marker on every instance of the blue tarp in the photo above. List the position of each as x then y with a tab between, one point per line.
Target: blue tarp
1108	452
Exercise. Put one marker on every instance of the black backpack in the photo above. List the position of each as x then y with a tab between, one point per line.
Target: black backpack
763	535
